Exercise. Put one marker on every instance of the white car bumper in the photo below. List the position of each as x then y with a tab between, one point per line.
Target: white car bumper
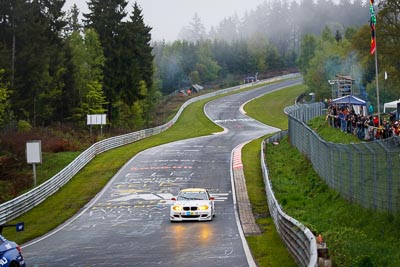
191	215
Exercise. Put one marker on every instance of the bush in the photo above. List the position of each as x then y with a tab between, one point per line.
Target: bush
24	126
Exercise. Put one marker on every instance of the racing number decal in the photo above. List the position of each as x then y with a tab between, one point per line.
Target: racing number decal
3	261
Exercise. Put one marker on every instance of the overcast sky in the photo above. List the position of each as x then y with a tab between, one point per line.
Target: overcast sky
167	17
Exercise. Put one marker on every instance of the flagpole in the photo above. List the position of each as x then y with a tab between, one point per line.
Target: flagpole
377	79
374	50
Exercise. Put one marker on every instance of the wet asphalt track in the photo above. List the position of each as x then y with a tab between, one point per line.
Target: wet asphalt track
127	224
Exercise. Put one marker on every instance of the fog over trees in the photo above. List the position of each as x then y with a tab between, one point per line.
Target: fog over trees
283	23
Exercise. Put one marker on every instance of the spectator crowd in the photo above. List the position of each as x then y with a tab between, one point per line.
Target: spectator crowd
366	127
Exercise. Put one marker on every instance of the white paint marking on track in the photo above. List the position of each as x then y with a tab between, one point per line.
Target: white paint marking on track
220	196
165	195
136	196
233	120
137	174
166	202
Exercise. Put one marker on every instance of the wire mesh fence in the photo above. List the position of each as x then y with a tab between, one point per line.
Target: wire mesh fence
367	173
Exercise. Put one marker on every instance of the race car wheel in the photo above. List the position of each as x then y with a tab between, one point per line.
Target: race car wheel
14	264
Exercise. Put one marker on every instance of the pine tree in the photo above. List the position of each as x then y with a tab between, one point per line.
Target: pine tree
136	57
106	17
88	61
4	99
31	32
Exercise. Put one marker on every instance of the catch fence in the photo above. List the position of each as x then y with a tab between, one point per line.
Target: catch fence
367	173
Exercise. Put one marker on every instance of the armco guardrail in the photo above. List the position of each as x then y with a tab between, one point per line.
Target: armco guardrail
298	238
21	204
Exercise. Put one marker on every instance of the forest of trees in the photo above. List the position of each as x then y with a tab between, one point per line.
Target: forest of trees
56	68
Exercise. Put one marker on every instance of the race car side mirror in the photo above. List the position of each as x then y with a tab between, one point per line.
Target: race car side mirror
211	198
174	198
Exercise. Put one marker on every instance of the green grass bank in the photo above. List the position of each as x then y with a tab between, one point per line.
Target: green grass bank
355	236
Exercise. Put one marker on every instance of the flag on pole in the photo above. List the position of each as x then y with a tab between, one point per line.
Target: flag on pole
372	25
373	39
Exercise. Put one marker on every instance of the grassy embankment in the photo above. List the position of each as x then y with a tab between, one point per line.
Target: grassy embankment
267	109
355	236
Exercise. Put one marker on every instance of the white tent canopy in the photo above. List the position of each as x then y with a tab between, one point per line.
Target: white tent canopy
350	100
356	102
392	104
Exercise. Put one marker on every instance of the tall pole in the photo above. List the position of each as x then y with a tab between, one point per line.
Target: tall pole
377	81
374	50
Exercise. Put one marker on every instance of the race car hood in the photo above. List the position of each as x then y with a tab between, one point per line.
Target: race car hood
192	202
7	245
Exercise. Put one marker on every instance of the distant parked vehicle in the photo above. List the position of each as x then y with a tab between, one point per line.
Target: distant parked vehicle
249	79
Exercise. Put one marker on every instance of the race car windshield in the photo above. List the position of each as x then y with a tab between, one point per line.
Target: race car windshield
193	196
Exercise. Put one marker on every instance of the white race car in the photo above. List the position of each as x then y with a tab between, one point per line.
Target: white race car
192	204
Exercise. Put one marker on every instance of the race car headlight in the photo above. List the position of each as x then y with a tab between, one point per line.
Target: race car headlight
176	208
203	207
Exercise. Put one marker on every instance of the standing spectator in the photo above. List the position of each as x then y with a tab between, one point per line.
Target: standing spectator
343	122
376	121
329	116
370	135
386	127
379	132
360	126
336	120
370	109
396	128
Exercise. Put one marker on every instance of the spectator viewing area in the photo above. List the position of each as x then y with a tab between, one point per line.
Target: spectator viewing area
356	103
352	115
349	114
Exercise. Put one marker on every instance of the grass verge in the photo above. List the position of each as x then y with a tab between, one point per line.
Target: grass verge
331	134
268	109
355	236
267	248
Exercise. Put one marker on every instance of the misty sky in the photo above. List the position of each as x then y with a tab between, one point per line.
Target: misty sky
167	17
